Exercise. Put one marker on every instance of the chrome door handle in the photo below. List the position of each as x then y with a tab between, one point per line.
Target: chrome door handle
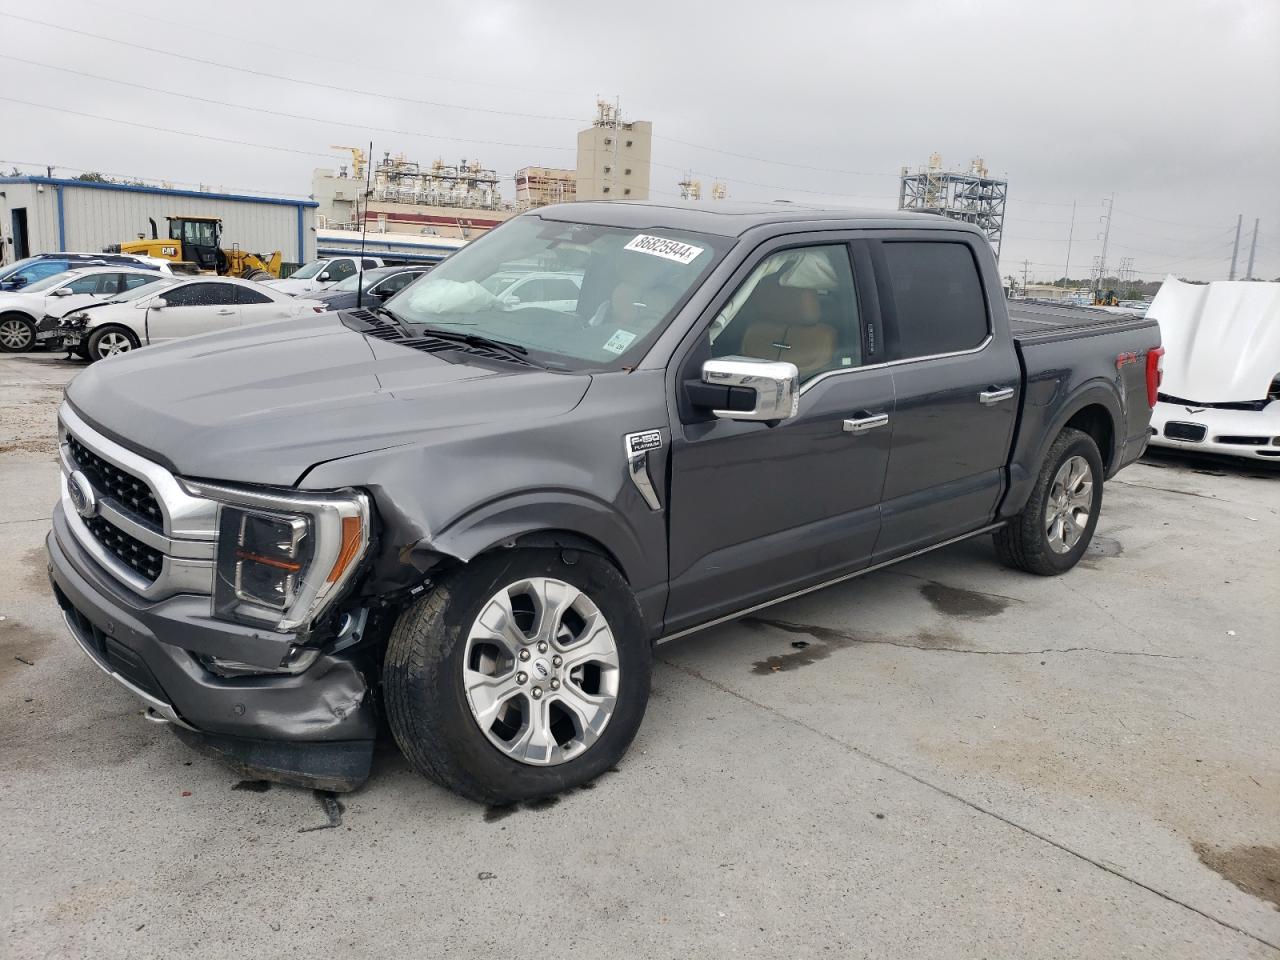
988	397
863	424
225	313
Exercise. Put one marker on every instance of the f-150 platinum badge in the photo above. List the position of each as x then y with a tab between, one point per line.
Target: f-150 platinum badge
636	447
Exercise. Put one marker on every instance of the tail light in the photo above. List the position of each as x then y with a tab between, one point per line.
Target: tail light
1155	373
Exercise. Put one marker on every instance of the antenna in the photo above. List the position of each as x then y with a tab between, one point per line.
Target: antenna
364	229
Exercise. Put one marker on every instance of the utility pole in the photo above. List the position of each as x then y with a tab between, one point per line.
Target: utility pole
1066	270
1026	265
1253	246
1106	239
1235	251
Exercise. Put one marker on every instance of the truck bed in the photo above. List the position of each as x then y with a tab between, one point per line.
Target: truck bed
1041	321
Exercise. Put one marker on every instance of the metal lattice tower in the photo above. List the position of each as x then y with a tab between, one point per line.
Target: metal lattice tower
972	196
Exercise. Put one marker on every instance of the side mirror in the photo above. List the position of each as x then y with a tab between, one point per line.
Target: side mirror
62	292
159	303
324	277
751	389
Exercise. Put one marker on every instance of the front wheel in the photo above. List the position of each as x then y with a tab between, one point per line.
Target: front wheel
17	333
1055	527
521	675
110	341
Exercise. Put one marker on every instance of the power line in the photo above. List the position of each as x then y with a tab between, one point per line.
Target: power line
135	14
183	133
41	166
150	88
279	76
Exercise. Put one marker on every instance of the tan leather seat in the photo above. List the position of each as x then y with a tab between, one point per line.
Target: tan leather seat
789	329
811	347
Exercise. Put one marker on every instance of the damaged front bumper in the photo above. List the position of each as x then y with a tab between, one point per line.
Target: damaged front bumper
315	728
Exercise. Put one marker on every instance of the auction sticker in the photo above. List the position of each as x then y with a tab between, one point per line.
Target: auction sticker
662	247
620	340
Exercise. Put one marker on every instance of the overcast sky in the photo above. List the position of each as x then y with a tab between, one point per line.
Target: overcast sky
1172	104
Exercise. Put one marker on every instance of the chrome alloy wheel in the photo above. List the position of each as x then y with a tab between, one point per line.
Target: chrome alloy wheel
113	343
541	671
16	335
1070	502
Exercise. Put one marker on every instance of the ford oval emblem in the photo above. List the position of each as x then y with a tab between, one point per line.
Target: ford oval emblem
81	493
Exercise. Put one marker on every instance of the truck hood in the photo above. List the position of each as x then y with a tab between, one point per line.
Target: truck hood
1221	339
263	404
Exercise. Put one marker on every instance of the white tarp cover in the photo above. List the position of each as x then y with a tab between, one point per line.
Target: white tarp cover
1221	340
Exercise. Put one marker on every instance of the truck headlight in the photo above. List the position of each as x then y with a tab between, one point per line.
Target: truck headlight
282	556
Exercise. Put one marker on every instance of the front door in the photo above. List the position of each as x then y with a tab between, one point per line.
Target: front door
957	391
759	511
192	308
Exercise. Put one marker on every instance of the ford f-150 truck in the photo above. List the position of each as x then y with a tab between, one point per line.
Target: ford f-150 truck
476	520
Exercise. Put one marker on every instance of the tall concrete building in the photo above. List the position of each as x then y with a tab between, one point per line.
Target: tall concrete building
613	157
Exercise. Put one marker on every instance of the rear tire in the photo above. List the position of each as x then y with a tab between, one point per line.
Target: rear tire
459	682
1055	527
109	342
17	333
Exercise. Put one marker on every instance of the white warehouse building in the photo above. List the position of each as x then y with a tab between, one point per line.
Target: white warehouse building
52	215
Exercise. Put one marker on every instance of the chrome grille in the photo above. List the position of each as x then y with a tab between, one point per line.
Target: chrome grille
141	525
129	492
146	561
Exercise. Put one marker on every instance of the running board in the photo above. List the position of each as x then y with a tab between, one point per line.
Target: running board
827	583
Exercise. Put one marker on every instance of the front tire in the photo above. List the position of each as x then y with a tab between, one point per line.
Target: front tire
520	675
17	333
1055	527
109	342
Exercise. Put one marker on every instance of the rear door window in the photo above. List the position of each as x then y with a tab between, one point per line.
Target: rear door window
202	295
248	296
936	294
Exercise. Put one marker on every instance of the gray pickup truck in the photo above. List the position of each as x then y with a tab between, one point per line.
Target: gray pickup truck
476	517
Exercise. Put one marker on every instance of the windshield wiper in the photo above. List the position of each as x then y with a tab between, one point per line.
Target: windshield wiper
477	340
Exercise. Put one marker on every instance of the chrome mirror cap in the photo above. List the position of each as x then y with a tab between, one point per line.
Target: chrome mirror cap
776	384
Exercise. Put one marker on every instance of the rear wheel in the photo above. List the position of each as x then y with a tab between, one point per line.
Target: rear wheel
1055	527
523	674
110	341
17	333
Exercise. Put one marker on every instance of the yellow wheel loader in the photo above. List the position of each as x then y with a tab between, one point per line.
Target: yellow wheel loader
196	243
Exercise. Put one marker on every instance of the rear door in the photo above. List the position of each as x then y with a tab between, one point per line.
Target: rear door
957	392
191	308
758	511
256	306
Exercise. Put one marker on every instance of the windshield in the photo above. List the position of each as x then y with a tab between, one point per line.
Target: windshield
308	270
16	266
48	282
577	295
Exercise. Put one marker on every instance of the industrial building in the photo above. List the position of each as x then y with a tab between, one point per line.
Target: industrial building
51	214
614	156
540	186
973	195
439	199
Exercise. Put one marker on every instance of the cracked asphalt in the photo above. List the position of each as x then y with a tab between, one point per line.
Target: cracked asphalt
941	759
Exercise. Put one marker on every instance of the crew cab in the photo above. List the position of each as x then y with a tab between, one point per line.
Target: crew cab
478	520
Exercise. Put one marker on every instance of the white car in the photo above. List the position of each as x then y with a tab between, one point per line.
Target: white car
1221	387
548	291
321	274
175	308
22	311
